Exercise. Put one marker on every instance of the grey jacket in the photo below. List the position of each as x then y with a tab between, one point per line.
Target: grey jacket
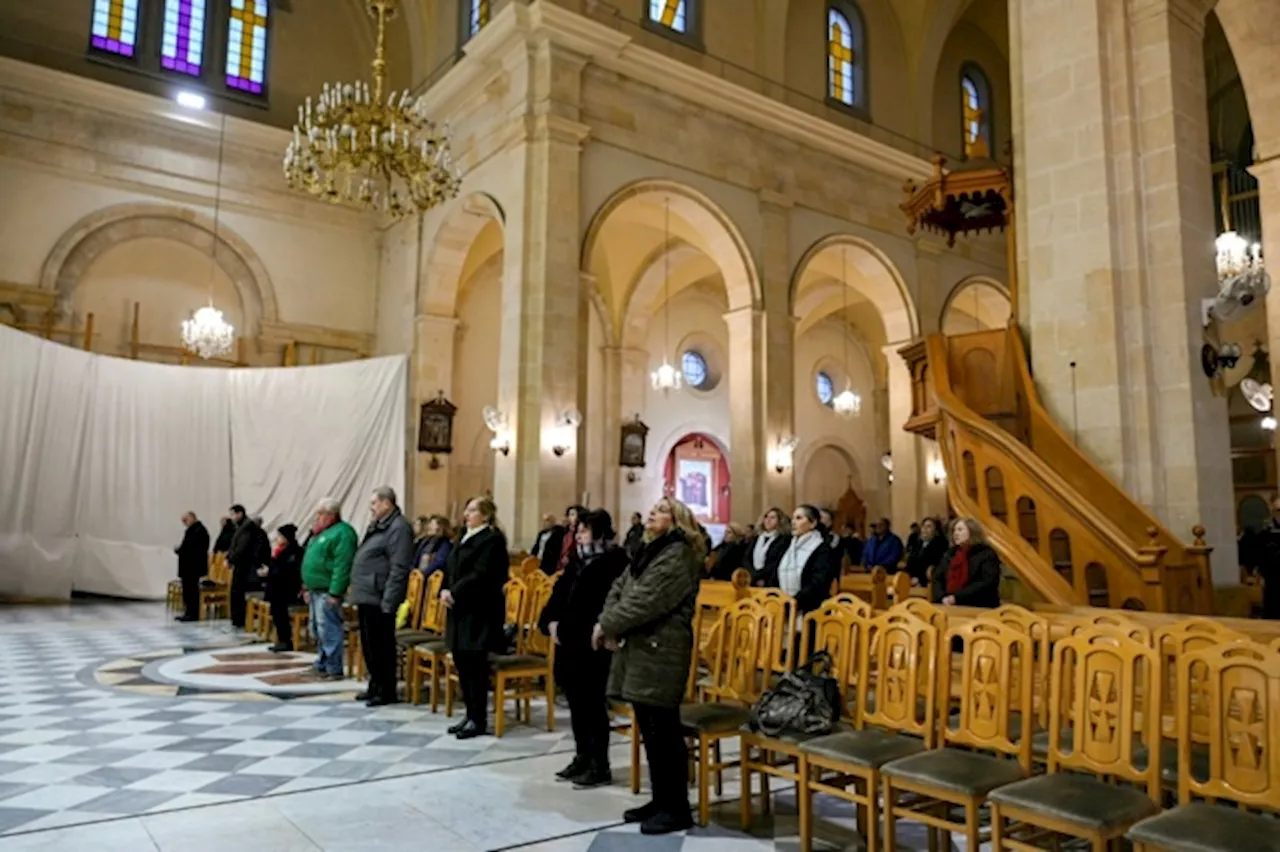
380	571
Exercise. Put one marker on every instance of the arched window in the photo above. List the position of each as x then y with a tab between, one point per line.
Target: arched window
846	62
475	15
975	111
672	14
824	388
172	37
694	367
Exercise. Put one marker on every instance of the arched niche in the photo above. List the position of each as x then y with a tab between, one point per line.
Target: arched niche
975	304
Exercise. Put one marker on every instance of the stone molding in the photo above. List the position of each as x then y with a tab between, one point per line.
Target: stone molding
283	333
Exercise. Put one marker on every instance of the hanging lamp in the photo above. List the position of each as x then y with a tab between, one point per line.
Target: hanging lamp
667	377
206	334
846	403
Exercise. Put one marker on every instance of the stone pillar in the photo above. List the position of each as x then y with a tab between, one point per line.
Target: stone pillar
434	339
542	325
746	407
1119	234
905	494
778	367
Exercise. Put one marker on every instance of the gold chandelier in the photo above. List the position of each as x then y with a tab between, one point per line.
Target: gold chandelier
361	146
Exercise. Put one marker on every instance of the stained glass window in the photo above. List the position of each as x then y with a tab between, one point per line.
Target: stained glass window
975	113
247	46
694	367
115	26
844	57
182	39
477	16
824	388
672	14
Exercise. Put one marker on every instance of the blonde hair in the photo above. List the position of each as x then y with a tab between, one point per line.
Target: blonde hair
784	520
682	519
488	509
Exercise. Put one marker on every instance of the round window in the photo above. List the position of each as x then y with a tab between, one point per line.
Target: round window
694	367
824	388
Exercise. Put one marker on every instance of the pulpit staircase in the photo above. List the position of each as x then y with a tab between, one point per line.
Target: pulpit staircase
1072	536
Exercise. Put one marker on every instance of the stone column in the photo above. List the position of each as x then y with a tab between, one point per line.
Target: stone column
434	339
746	406
778	366
905	494
1119	234
543	325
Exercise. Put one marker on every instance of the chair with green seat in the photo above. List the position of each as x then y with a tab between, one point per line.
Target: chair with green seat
984	746
1228	702
895	716
1104	712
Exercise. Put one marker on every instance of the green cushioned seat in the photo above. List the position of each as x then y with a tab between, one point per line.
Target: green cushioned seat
870	748
967	773
433	647
713	718
1199	827
1079	800
409	638
505	662
796	738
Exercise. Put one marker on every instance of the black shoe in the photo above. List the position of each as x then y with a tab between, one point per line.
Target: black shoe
576	767
592	778
667	823
458	726
187	618
281	648
470	731
641	813
363	696
381	701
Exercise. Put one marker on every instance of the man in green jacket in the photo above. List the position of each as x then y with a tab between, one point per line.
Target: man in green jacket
326	573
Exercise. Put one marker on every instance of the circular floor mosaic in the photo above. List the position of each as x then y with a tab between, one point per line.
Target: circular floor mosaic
248	672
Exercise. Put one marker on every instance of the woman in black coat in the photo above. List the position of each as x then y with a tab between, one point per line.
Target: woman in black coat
932	547
969	573
472	590
809	566
583	671
283	582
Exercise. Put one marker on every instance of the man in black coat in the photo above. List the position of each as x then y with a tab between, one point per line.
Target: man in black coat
193	563
249	550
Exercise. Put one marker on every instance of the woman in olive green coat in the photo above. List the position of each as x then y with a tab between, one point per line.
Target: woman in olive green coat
648	618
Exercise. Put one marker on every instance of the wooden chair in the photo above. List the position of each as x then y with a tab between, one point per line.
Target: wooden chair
897	718
779	647
836	629
354	662
1174	641
1239	709
215	588
1036	628
514	592
736	680
1113	623
530	670
857	604
986	746
1105	693
926	611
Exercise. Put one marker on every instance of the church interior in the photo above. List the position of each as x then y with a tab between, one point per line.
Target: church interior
897	285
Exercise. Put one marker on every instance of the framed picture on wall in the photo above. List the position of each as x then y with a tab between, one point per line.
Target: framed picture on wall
696	485
631	450
435	427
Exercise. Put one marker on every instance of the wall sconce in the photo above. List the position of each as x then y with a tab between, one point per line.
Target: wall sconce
566	430
783	455
497	423
937	471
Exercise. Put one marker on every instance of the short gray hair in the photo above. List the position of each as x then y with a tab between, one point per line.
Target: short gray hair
330	506
385	492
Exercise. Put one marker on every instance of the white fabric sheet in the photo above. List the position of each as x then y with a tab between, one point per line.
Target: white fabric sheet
300	434
100	456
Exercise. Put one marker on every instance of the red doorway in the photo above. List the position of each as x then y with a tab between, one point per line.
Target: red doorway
696	473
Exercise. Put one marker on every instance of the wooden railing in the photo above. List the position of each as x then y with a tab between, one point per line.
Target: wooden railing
1068	531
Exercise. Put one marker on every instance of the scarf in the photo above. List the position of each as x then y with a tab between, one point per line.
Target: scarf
590	552
566	546
958	570
278	549
653	548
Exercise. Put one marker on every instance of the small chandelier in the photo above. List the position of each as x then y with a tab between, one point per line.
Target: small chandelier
1235	257
847	403
366	147
207	334
666	378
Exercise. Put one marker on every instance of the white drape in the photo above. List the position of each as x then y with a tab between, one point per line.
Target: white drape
100	456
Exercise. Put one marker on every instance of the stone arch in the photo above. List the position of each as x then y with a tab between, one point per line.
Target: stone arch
972	282
719	237
885	287
647	289
1250	31
841	447
442	273
89	238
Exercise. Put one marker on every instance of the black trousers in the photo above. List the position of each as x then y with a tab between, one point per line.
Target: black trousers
583	678
378	641
235	595
473	682
280	618
667	754
190	596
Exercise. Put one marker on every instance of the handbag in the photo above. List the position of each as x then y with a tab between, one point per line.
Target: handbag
804	701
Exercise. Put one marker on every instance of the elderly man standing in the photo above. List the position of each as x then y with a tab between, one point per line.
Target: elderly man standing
193	563
379	576
326	573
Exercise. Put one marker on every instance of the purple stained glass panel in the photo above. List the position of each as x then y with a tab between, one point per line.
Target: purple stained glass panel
182	42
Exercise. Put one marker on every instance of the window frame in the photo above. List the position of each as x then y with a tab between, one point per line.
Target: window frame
212	81
970	70
692	35
852	14
689	352
818	376
464	22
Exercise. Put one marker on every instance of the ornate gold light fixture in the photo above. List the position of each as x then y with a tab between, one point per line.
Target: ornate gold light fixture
360	145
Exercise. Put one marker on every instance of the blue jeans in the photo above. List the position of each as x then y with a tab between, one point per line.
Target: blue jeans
326	626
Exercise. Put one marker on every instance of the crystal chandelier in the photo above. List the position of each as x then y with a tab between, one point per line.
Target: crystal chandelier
846	403
1236	257
362	146
207	334
666	378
